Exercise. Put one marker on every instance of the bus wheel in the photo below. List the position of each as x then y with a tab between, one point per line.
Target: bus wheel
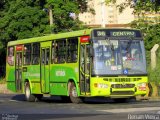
29	97
39	96
73	93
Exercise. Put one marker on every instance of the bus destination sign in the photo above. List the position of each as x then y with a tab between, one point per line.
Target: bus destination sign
116	33
123	33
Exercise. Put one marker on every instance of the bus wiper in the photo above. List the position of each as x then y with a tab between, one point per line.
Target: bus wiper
110	44
129	43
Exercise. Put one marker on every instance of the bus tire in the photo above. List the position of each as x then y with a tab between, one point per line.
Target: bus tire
39	96
73	94
29	97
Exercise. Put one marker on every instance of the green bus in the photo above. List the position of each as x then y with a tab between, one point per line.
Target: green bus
74	65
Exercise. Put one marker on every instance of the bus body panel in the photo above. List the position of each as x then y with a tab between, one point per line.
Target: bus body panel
109	86
53	78
32	74
60	76
10	73
45	61
10	77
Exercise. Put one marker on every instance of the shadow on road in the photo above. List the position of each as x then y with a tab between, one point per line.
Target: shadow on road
19	97
57	99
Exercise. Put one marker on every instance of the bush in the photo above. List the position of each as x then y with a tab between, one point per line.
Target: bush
2	80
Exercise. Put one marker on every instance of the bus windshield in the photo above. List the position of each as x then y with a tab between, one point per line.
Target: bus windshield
118	57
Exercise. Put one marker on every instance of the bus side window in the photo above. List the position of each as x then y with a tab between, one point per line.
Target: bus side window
60	51
10	57
47	56
35	53
43	57
72	50
27	54
55	52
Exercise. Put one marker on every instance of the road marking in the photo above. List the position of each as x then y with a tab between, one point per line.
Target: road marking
127	110
14	100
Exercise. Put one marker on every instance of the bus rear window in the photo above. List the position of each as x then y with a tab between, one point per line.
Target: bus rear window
10	55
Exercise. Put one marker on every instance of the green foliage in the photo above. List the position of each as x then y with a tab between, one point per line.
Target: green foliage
62	10
154	75
29	18
2	80
139	6
151	33
23	20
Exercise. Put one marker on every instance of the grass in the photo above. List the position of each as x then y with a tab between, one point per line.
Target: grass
2	80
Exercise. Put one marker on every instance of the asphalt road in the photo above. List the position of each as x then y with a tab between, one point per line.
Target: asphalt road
14	107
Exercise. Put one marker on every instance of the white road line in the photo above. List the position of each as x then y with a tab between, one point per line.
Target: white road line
14	100
126	110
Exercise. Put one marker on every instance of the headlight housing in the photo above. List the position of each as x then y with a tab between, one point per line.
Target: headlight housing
100	85
142	86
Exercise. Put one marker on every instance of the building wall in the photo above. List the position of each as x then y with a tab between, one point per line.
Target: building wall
109	14
126	16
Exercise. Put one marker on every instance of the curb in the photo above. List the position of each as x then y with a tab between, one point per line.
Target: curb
148	98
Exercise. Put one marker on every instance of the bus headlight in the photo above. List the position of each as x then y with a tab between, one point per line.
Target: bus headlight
142	86
100	85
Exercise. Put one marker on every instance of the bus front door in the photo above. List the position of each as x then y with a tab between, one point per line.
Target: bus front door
45	72
84	70
18	71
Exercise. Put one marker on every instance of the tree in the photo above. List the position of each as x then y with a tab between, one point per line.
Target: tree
21	19
150	28
139	6
65	14
24	19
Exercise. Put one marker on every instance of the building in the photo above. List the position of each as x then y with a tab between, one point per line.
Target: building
106	14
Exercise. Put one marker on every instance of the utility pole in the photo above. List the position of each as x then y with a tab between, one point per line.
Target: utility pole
153	56
50	15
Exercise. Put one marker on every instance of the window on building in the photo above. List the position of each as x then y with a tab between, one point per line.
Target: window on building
111	21
111	16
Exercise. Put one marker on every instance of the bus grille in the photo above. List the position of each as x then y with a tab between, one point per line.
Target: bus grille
122	79
122	85
122	93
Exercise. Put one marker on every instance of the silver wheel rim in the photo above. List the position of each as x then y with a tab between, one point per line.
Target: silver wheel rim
74	92
27	92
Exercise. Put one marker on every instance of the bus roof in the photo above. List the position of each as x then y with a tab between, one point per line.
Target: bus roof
51	37
60	36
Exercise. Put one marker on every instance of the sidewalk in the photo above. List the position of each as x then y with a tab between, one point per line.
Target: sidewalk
4	90
155	98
